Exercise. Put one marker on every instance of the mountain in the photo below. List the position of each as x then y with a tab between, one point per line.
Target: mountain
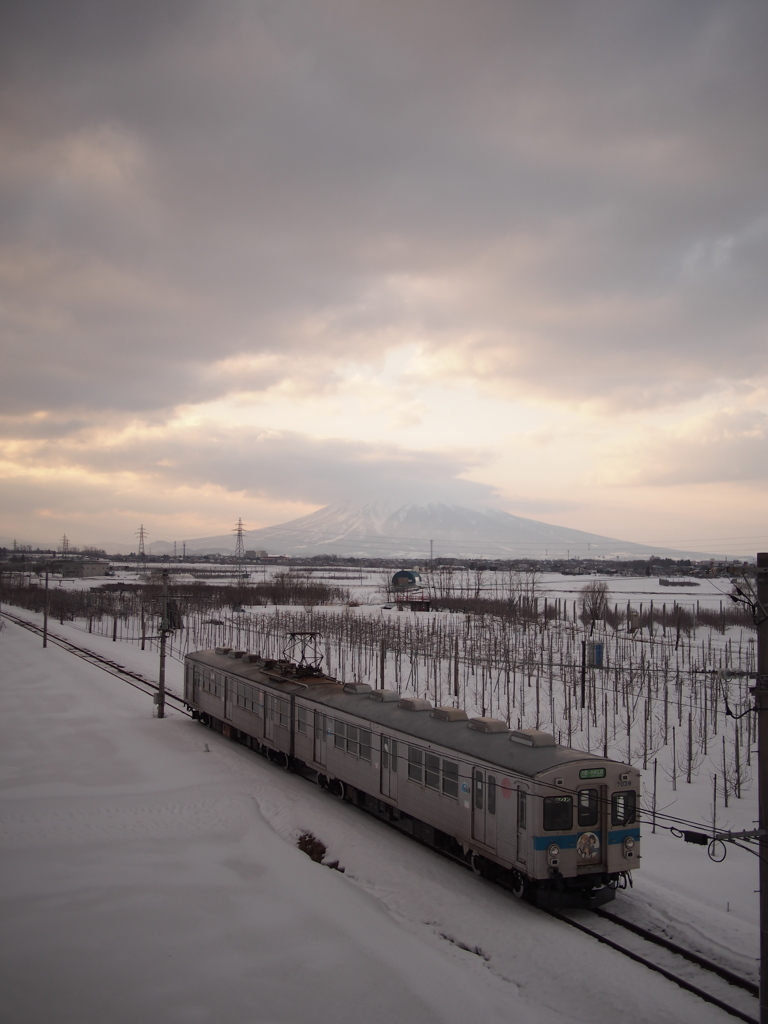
415	531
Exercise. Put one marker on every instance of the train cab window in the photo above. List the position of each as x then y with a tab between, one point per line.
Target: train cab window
587	808
450	779
303	719
558	813
415	769
431	771
319	726
283	713
624	808
491	794
478	787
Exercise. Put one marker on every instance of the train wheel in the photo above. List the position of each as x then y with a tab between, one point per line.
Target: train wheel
322	781
281	760
518	885
336	788
477	864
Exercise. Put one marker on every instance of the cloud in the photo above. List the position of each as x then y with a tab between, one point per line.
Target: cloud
724	447
279	182
211	204
264	464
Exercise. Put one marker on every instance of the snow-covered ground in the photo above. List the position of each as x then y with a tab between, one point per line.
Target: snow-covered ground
151	873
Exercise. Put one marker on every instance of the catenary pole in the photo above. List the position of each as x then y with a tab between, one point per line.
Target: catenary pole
761	705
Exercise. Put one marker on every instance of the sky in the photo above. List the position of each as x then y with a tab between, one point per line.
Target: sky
261	257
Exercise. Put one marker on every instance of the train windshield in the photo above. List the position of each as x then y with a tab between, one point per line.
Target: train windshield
558	813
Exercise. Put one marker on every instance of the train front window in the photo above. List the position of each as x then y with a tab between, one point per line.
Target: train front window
587	808
624	808
558	813
431	771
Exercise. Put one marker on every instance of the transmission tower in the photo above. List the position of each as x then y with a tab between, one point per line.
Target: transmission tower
141	533
239	532
65	544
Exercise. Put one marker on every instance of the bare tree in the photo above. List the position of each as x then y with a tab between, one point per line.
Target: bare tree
594	601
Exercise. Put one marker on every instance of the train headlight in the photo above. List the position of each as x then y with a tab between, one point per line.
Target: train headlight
629	843
553	850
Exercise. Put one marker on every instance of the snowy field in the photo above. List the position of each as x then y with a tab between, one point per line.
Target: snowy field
151	873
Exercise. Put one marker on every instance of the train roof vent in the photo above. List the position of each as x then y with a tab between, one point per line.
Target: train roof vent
450	714
533	738
223	650
414	704
384	695
251	657
236	654
488	725
356	688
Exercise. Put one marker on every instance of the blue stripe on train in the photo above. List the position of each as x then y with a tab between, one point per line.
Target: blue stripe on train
615	838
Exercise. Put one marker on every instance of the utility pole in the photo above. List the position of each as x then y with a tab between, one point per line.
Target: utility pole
761	705
165	629
45	611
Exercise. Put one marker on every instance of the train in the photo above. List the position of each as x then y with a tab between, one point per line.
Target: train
556	826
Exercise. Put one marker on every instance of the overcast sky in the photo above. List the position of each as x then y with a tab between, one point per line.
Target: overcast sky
259	256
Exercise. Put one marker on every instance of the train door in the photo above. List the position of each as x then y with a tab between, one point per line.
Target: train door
484	794
269	717
230	687
320	749
523	802
591	818
389	767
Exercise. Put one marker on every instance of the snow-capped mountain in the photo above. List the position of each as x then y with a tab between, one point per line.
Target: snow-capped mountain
389	529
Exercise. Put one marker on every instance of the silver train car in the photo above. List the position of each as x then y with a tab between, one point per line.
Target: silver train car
556	826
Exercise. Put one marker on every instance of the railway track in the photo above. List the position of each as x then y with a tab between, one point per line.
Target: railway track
696	974
135	679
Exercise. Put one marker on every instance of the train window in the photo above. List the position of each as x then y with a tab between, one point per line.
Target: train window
385	753
303	718
623	808
256	704
587	808
451	779
558	813
432	771
393	752
478	777
340	735
522	809
491	794
353	743
365	745
319	726
415	770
